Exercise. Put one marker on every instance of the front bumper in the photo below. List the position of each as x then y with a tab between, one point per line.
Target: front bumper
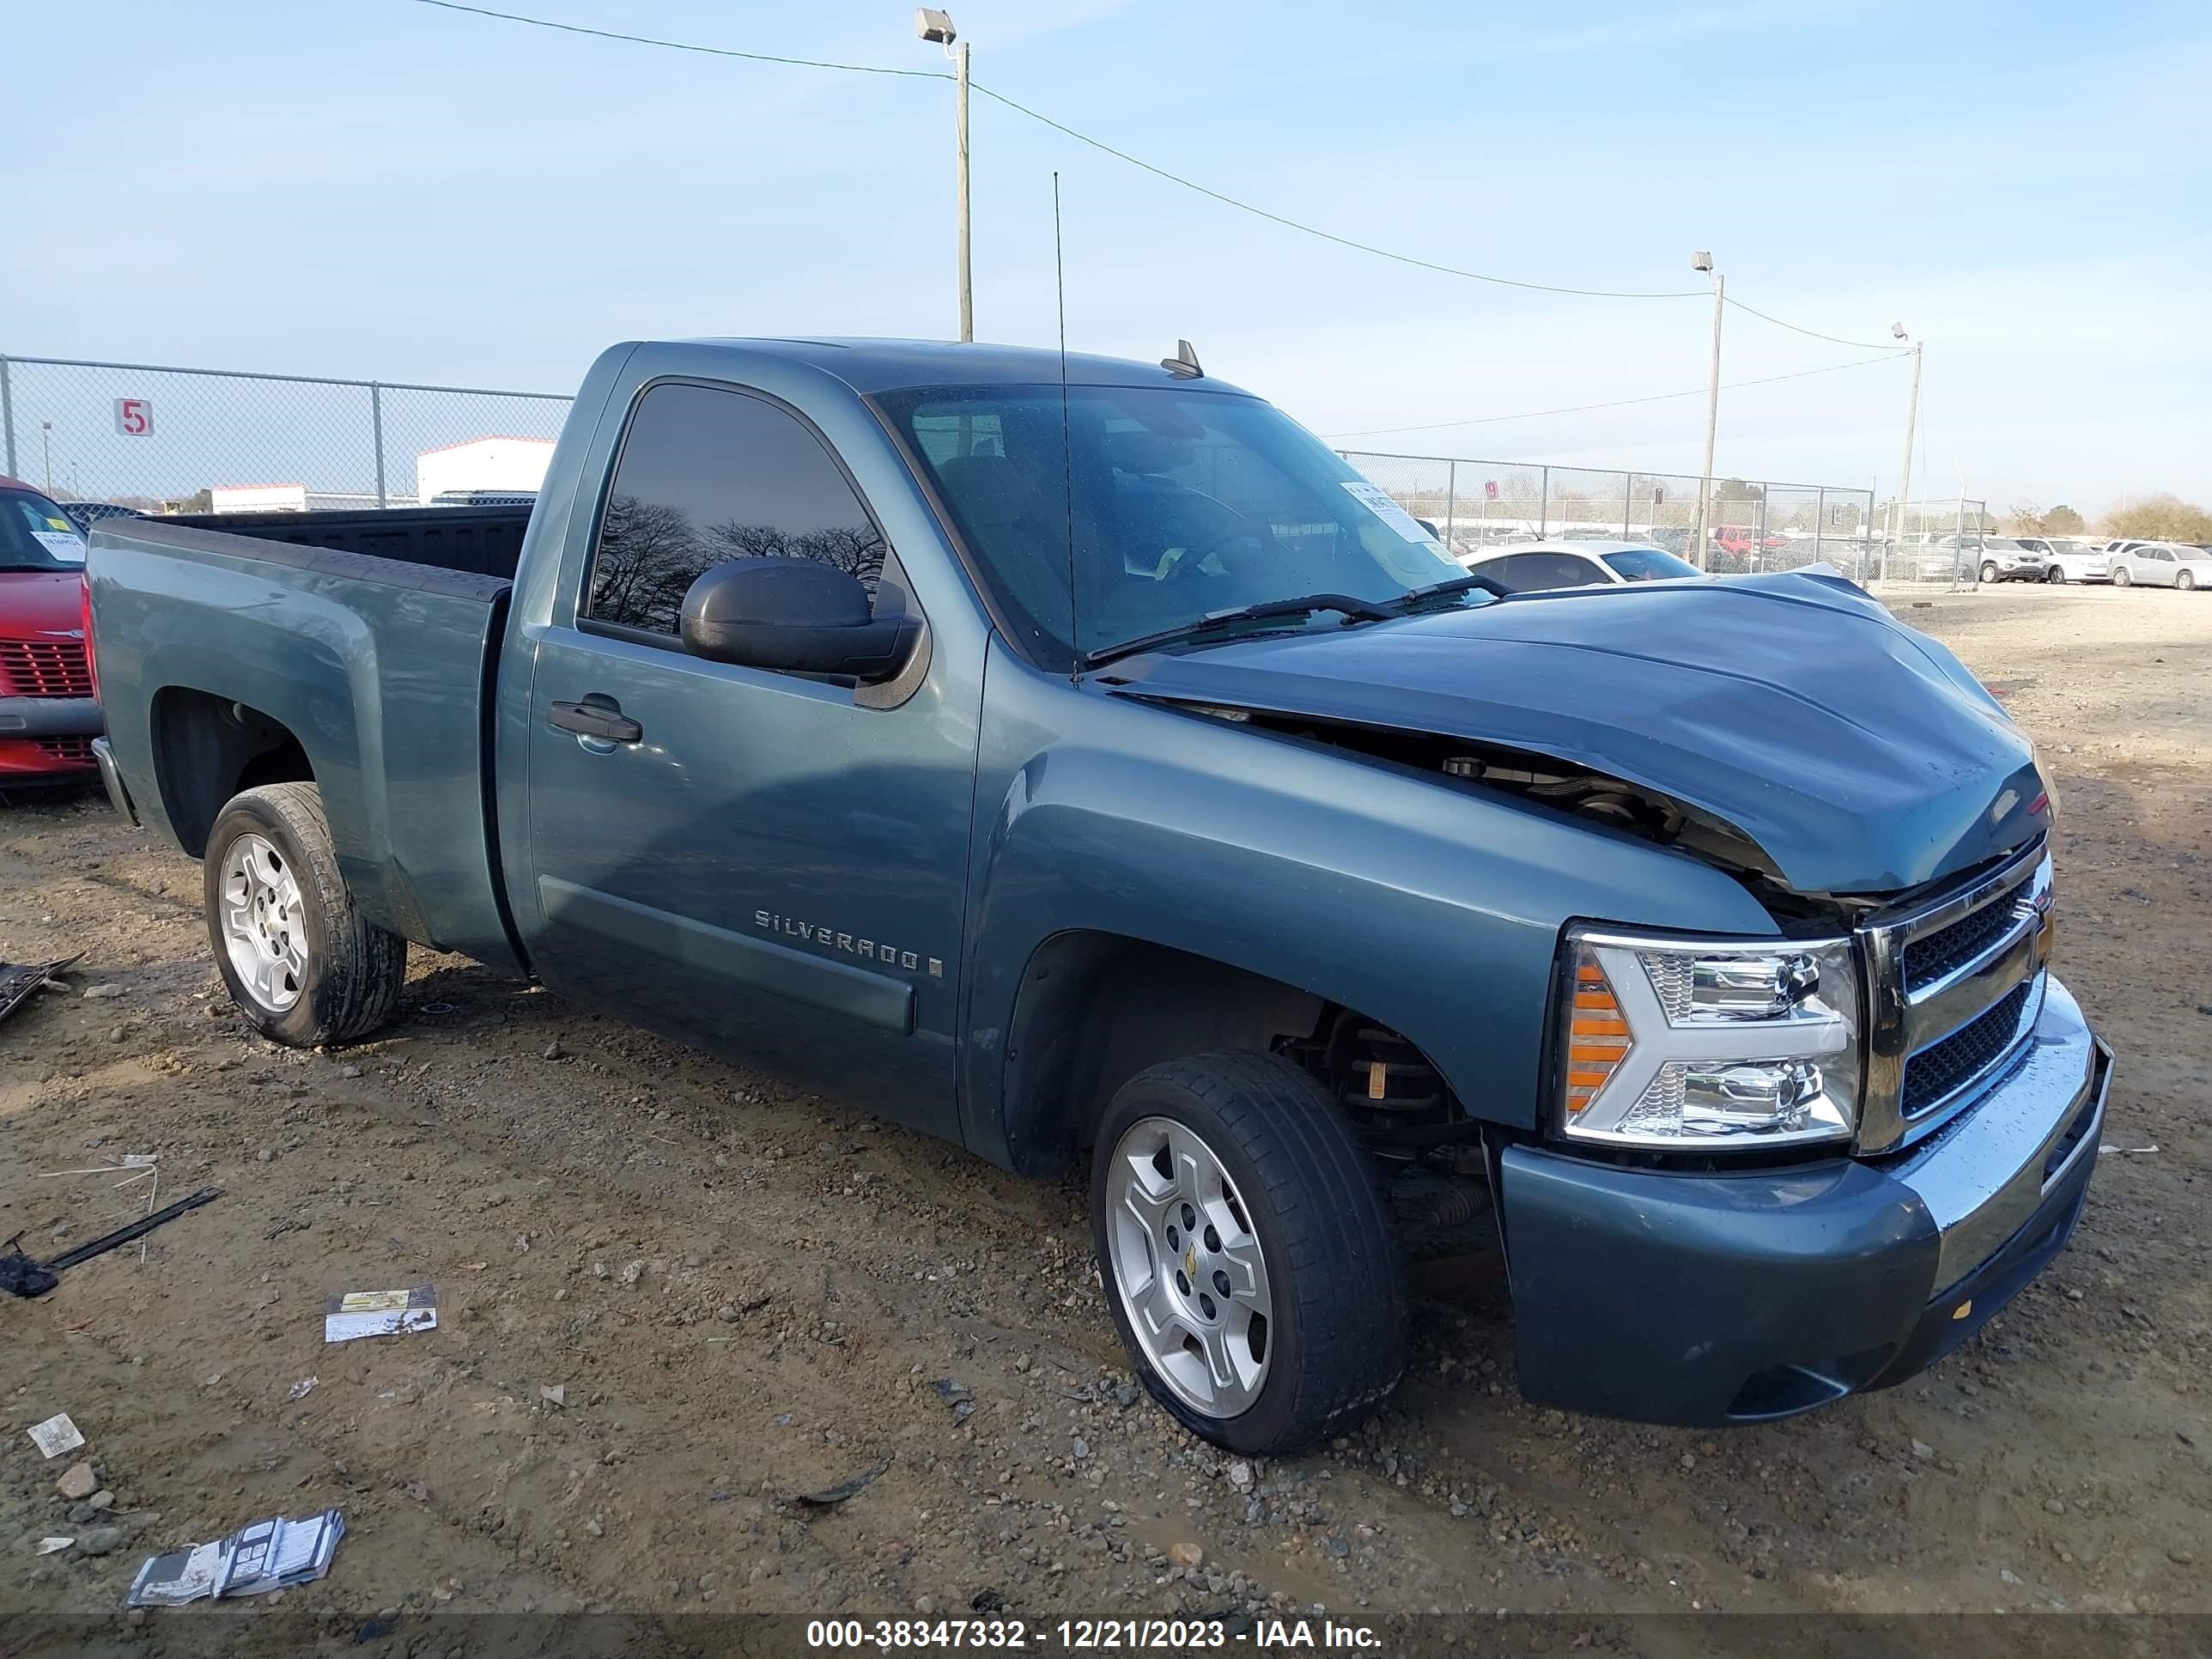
1705	1298
51	717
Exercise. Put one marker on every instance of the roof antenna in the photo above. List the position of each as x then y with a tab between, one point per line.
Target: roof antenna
1184	364
1066	444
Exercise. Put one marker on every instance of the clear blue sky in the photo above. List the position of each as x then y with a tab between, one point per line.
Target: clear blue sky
373	187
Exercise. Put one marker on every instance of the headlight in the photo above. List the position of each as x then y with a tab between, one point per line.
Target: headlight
1673	1043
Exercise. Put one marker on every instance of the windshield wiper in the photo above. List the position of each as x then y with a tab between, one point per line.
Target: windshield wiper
1308	604
1407	604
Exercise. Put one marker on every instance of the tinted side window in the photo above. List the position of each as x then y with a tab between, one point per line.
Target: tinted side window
1527	571
1514	574
707	475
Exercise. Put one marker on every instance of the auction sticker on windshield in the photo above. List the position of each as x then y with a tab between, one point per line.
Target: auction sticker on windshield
1377	502
70	549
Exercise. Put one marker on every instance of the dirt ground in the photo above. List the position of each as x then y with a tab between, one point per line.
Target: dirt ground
742	1292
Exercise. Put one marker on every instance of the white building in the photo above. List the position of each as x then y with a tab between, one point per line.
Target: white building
492	462
258	498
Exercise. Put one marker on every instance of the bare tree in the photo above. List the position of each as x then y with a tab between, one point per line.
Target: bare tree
648	557
856	550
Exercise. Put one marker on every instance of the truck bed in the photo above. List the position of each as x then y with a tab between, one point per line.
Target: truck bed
236	649
484	541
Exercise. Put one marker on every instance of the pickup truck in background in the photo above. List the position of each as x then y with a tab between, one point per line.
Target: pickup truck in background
1084	763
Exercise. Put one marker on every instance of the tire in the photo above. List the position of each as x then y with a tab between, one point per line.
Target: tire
1290	1184
2185	580
2120	577
2056	576
1989	573
300	963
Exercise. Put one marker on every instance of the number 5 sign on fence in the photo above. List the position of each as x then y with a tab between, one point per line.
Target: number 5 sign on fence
134	417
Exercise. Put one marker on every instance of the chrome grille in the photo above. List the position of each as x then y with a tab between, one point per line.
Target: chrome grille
45	668
1955	982
1927	960
1940	1069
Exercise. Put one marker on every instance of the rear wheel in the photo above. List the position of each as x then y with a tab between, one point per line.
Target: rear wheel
1247	1254
2120	577
299	960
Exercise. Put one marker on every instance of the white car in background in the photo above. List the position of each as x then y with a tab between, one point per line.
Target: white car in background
2070	559
1999	558
1524	566
2160	564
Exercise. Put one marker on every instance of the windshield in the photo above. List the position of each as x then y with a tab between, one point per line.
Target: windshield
34	536
1166	504
2000	544
1649	564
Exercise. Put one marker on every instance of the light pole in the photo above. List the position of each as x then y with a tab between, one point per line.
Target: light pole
936	25
1703	261
46	452
1904	472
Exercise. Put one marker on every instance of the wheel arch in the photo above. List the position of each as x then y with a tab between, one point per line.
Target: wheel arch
1095	1008
208	749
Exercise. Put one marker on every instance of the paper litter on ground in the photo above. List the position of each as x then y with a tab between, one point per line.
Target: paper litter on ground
262	1556
56	1435
380	1312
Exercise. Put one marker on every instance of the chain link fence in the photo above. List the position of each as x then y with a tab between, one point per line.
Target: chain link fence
214	439
1939	542
1749	524
162	439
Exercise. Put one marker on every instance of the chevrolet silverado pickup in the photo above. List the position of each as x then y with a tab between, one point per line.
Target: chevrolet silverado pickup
1078	761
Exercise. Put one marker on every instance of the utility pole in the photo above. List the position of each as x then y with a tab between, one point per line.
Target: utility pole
967	293
1904	472
936	26
1703	261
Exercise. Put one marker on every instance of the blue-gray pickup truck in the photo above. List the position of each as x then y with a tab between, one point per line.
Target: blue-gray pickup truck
1076	760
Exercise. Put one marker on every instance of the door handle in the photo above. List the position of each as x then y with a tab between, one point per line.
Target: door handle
597	716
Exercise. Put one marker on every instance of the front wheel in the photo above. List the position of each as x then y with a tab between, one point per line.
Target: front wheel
2186	581
300	963
1989	573
2120	577
1246	1252
2056	575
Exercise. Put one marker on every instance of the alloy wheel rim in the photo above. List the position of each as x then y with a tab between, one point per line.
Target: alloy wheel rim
1188	1268
264	922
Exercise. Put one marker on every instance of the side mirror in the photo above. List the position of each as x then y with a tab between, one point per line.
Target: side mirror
795	615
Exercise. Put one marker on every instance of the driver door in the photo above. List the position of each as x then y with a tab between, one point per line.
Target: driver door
767	864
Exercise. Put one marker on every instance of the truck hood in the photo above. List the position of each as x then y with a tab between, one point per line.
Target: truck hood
1859	755
41	604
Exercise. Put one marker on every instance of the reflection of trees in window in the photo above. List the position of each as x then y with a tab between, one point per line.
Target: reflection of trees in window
649	556
856	550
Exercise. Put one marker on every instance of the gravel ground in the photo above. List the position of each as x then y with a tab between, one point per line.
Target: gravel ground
738	1292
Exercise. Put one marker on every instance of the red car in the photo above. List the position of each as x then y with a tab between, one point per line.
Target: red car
49	702
1740	539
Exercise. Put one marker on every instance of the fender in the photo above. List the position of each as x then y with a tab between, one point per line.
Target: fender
386	755
1431	906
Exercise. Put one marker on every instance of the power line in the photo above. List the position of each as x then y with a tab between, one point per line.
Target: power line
1833	339
684	45
1325	235
1619	403
1105	148
1081	138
